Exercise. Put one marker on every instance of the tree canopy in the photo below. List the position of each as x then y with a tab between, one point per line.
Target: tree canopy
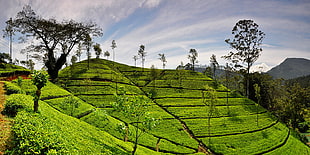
193	54
246	42
56	39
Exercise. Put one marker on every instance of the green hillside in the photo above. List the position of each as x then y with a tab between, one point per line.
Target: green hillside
7	70
52	130
179	97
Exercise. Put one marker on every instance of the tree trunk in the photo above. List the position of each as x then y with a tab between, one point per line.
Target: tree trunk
136	140
36	101
127	132
54	66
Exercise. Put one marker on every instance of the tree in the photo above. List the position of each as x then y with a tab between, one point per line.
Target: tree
97	50
107	54
257	95
142	54
214	65
88	43
56	39
39	79
162	58
135	109
70	104
153	75
113	46
78	52
9	32
193	57
135	58
210	99
73	59
72	67
4	57
247	39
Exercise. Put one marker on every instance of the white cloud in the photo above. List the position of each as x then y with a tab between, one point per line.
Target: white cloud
173	27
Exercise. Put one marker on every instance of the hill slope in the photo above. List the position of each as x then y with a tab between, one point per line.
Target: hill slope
53	125
178	99
291	68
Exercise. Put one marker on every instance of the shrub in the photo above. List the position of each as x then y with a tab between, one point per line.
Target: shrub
37	136
11	88
16	103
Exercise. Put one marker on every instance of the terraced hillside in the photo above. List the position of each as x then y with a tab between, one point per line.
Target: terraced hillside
53	130
9	71
182	100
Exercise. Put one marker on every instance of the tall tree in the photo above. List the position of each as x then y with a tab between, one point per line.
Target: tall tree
9	32
142	54
162	58
107	54
193	57
113	46
97	50
88	43
135	58
257	95
247	40
56	39
209	96
135	108
78	52
214	65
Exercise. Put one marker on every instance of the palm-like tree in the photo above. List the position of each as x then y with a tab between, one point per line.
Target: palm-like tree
162	58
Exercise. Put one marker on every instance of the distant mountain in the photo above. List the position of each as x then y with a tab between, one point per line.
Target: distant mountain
291	68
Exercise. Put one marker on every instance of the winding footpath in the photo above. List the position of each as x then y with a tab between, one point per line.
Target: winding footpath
5	124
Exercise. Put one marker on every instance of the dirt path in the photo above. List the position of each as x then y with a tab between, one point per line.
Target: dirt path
5	123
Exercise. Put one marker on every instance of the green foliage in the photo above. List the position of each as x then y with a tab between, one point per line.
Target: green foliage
136	109
10	70
37	136
39	78
16	103
11	88
72	106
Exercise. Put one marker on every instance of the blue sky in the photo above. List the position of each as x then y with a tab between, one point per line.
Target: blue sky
173	27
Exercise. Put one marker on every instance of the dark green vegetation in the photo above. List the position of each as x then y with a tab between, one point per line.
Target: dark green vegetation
177	98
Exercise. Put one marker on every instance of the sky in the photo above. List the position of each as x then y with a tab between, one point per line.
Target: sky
173	27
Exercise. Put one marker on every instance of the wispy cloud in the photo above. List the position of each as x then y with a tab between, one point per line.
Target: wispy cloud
173	27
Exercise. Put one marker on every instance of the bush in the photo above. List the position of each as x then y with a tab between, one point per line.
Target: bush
11	88
37	136
16	103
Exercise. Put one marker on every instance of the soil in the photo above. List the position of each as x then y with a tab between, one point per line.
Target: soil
5	124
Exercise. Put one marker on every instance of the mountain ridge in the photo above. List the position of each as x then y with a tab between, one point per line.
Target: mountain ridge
291	68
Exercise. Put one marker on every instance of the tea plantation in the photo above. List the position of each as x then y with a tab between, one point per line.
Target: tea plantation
191	120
